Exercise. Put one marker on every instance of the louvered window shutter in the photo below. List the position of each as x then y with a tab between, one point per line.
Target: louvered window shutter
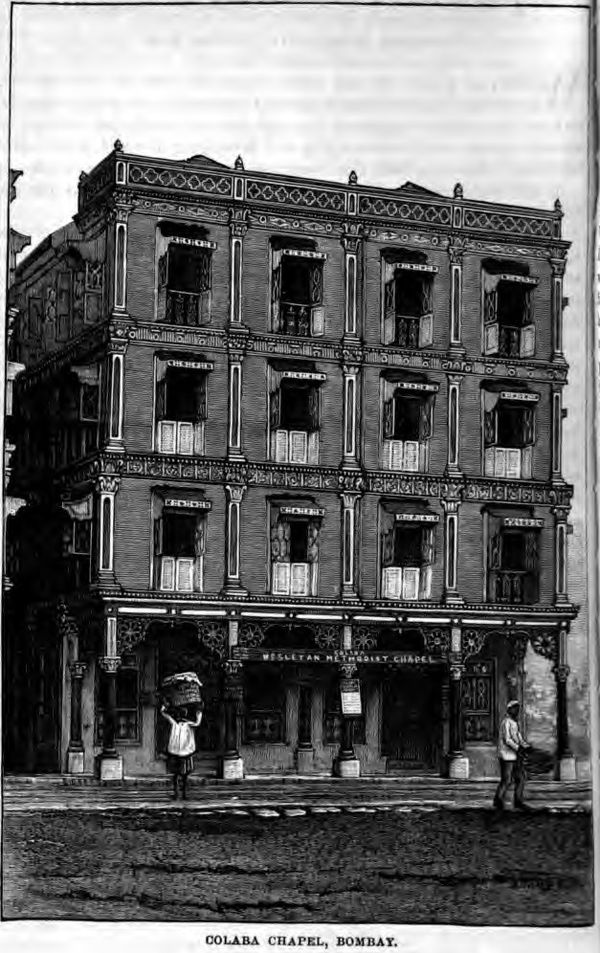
387	547
312	551
496	551
389	311
276	291
425	419
491	330
275	409
200	536
163	270
316	283
490	306
528	426
426	296
490	427
531	551
388	419
427	539
313	408
162	282
426	330
161	399
200	396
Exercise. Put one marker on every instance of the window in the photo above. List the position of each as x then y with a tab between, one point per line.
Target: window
127	715
513	560
407	556
297	292
478	702
264	716
181	410
77	547
509	434
63	305
179	543
295	550
407	425
407	303
184	281
508	328
294	416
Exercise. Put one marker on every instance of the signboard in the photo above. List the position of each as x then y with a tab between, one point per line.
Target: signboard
350	696
336	656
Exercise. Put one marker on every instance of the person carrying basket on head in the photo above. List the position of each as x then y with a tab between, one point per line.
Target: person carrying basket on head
182	740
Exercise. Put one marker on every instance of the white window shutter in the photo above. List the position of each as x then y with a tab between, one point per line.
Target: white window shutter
426	330
425	582
389	311
167	434
527	341
389	413
317	321
526	462
489	457
396	454
298	446
281	446
300	574
313	447
513	463
411	455
491	339
392	582
167	573
185	438
199	438
500	462
276	290
280	578
204	303
184	578
410	583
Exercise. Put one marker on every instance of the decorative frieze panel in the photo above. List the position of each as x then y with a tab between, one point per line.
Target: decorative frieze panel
425	213
407	238
437	641
473	641
303	226
276	193
179	180
491	221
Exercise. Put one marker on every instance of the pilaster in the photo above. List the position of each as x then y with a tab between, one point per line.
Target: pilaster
234	495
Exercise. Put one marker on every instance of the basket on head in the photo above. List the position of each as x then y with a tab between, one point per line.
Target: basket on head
182	689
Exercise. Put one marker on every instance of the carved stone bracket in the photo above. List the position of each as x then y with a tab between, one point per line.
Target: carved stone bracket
437	641
251	635
545	644
328	637
473	641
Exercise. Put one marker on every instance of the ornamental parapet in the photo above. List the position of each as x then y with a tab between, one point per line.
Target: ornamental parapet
158	178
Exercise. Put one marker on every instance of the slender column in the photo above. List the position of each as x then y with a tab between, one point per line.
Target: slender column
557	418
111	764
558	270
114	395
456	253
106	490
234	422
232	763
347	765
565	759
351	372
77	670
561	528
351	243
458	761
349	545
451	593
453	462
118	216
234	495
238	226
305	717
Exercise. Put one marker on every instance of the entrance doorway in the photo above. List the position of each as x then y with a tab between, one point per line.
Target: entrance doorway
412	737
180	651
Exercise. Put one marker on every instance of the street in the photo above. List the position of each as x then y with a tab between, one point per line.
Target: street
390	865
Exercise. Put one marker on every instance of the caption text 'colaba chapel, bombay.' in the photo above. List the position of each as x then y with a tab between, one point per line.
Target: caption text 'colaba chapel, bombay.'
304	439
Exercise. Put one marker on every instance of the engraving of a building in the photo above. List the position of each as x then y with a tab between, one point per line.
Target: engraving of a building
287	433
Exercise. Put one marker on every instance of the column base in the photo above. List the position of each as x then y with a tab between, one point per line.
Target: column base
234	592
75	762
349	595
452	598
347	768
305	760
567	769
111	768
458	767
232	769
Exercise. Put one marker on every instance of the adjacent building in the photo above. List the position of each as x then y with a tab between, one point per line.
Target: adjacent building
303	438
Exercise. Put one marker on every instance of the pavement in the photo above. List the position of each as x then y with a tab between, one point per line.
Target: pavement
272	796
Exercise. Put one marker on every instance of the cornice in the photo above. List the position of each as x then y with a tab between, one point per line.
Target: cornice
219	471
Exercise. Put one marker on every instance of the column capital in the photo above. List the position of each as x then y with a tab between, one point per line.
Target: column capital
558	265
560	513
107	483
77	668
351	243
456	251
450	505
457	669
237	344
351	370
238	222
347	669
454	378
561	672
349	498
235	492
352	357
110	664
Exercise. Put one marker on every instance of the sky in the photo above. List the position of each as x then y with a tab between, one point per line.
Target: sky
493	98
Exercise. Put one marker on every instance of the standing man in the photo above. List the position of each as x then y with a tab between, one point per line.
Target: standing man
511	748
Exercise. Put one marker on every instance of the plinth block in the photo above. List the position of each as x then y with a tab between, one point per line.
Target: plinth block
232	769
348	769
75	764
111	769
567	769
305	760
458	769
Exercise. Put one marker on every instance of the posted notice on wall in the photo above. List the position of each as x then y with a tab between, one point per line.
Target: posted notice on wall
350	696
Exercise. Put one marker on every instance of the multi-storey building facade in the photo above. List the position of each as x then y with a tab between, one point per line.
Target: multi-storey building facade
302	438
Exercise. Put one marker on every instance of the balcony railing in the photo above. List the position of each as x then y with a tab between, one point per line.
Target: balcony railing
407	331
516	587
183	308
295	319
509	341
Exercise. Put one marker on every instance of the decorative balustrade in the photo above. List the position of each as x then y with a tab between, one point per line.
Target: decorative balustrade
182	308
516	587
